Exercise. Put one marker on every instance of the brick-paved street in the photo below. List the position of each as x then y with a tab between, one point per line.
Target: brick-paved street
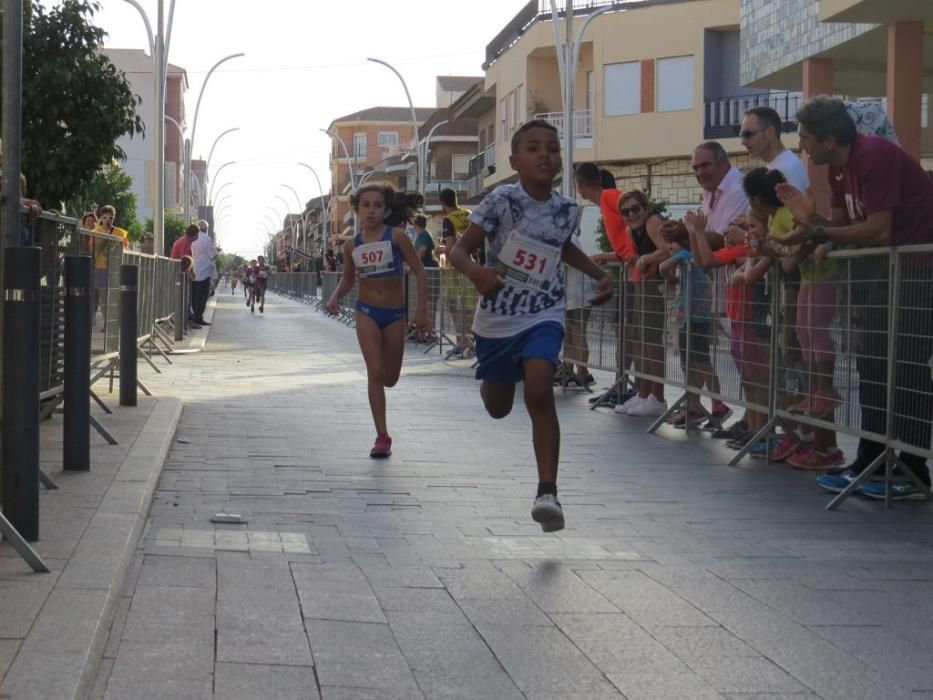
424	576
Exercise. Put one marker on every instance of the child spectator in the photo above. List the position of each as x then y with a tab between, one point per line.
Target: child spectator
698	331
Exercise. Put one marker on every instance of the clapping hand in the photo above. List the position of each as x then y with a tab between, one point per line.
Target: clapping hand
695	221
801	204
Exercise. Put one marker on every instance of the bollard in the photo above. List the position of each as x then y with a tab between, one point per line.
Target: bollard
20	464
181	304
129	280
76	441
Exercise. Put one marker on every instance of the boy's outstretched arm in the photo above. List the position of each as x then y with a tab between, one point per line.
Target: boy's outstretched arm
485	279
576	258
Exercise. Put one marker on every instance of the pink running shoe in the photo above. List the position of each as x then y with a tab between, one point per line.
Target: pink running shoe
812	460
382	448
784	448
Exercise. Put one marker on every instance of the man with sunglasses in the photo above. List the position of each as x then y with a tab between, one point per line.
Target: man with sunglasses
761	135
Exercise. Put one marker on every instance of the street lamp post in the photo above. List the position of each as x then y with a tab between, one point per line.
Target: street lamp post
220	189
207	163
287	207
325	209
158	50
427	150
568	57
210	193
301	211
353	183
414	122
194	125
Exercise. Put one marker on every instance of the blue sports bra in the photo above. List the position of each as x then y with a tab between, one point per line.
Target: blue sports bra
381	258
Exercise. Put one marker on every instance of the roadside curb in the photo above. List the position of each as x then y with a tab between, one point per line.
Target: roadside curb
61	655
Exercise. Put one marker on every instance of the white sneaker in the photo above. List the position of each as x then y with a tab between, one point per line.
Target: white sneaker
547	512
628	405
649	407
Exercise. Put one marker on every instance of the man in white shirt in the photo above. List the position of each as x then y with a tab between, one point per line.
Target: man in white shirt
204	253
724	199
761	135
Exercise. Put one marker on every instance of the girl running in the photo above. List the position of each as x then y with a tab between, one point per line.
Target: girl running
377	253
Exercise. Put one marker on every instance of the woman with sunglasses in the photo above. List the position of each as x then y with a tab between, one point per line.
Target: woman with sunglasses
647	319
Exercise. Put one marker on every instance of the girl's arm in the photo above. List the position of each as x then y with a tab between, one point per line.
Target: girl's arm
415	266
576	258
702	253
346	280
668	268
757	268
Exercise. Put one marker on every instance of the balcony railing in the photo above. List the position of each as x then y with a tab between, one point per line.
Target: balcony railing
536	10
723	115
480	164
582	123
435	186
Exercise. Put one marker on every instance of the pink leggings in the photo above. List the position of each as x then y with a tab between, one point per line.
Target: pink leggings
816	306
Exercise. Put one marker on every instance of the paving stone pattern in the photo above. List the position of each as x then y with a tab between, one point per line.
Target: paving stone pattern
423	576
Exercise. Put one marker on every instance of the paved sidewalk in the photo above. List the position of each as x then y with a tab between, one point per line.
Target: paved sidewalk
423	576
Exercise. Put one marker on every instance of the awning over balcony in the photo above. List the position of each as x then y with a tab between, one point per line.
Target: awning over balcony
881	11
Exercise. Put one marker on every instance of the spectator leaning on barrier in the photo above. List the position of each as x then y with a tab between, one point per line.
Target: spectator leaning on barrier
648	309
460	295
106	215
723	203
598	186
31	205
881	196
761	135
181	249
205	269
182	246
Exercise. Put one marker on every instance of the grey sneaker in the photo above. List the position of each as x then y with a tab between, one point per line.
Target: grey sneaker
547	512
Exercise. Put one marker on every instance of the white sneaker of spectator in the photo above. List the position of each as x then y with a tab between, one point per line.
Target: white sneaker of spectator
631	403
649	407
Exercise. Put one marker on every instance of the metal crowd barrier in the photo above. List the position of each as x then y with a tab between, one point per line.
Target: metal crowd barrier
849	349
156	303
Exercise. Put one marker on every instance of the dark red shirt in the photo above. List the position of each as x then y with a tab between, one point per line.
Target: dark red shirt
882	176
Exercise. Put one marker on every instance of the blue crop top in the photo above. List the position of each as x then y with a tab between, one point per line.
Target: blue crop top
381	258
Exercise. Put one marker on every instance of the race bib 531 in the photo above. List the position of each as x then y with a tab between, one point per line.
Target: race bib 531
527	261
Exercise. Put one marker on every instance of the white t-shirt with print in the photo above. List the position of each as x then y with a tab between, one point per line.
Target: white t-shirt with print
524	240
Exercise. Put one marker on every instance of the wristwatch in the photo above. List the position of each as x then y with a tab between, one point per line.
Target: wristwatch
820	236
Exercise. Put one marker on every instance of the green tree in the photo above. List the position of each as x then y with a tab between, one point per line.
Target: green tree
75	102
110	185
174	229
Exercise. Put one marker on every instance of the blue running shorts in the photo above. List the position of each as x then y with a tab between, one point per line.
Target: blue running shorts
500	359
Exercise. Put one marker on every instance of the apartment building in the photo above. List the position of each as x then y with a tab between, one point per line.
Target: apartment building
874	49
656	77
383	149
140	165
370	136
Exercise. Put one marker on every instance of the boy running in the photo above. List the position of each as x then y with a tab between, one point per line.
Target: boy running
519	321
260	280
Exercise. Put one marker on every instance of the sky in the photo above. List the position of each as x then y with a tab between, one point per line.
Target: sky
305	65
